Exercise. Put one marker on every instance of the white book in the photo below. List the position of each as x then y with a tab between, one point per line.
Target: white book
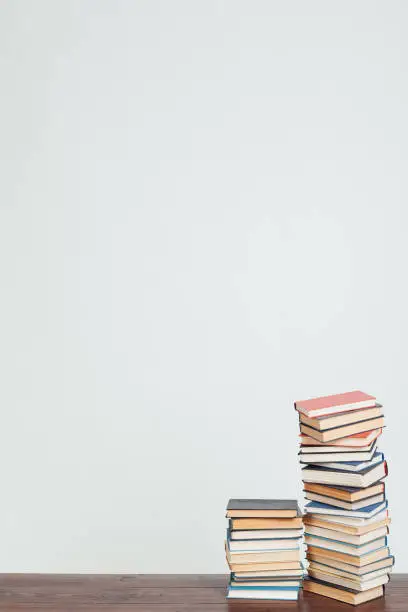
237	593
251	545
357	540
354	520
322	567
351	464
324	475
314	456
349	549
385	561
336	448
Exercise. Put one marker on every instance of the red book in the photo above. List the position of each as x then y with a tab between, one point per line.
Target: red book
330	404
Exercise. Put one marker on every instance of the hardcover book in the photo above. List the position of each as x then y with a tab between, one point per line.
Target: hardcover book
362	441
331	404
263	508
342	418
324	475
337	433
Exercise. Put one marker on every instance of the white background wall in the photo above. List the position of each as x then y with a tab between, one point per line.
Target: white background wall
203	218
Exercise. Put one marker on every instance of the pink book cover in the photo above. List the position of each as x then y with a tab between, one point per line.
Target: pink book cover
331	404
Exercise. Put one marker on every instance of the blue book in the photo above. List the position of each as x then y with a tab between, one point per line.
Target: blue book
353	466
366	512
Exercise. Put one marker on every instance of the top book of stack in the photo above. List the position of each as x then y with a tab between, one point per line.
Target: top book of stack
332	404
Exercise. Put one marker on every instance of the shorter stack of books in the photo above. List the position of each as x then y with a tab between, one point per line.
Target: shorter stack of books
263	549
346	520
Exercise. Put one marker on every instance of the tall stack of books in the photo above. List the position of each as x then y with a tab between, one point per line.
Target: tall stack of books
263	549
346	517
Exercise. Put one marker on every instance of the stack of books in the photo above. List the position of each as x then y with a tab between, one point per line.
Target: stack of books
263	549
346	517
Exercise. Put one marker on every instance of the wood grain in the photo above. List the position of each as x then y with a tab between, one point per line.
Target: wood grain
164	593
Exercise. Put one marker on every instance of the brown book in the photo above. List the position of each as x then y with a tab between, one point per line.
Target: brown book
357	560
266	523
342	528
344	418
264	567
342	432
341	593
269	556
357	442
339	503
271	574
263	508
347	494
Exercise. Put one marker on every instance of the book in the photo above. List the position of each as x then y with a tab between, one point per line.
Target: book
265	583
324	475
342	418
337	433
324	522
263	508
348	455
366	512
348	519
345	547
342	594
349	494
357	560
270	574
331	404
290	576
356	539
313	446
268	556
265	534
362	578
385	564
252	545
337	503
266	523
360	440
352	466
265	567
281	593
355	585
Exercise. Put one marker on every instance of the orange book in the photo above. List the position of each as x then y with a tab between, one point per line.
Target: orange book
331	404
358	440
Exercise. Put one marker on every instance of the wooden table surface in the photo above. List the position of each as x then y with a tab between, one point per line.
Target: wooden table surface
164	593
